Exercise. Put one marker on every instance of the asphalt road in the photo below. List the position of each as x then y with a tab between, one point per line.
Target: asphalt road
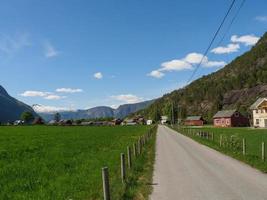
187	170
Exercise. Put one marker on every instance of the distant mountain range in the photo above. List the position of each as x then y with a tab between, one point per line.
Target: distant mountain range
99	112
10	108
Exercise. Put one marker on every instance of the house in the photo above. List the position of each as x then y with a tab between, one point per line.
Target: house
259	113
129	122
164	119
194	121
230	118
18	122
116	122
149	122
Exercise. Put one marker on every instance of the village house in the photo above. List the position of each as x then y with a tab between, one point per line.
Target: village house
164	119
230	118
194	121
259	113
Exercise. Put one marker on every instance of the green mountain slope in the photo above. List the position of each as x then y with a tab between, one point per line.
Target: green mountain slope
237	85
10	108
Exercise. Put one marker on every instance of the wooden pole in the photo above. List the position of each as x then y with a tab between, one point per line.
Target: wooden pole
129	155
123	170
263	151
134	150
220	140
139	147
244	146
212	136
105	178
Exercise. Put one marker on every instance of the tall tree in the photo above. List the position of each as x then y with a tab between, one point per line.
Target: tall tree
27	117
57	117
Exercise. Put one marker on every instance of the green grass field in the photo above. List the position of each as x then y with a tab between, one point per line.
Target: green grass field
254	139
46	162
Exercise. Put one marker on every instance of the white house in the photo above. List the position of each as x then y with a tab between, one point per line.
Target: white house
149	122
164	119
259	112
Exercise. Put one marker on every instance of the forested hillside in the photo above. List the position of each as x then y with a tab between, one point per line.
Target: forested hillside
237	85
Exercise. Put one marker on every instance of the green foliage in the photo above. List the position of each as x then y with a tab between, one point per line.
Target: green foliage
54	162
207	95
57	117
27	117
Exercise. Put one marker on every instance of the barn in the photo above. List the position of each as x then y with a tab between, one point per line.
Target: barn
194	121
230	118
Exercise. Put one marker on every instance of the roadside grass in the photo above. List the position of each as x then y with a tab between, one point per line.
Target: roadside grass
49	162
139	182
253	137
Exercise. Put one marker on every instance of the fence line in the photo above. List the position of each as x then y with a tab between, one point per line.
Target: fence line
137	150
236	144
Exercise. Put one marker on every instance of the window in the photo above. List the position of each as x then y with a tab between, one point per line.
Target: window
257	121
237	114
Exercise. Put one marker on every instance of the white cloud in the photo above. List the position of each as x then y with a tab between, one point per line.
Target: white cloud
54	97
49	50
127	98
98	75
31	93
186	63
195	58
175	65
69	90
210	64
11	44
247	40
49	109
230	48
156	74
45	95
261	18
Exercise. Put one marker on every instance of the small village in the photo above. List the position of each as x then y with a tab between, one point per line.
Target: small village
223	118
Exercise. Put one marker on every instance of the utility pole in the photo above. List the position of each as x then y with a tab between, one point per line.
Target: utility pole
172	114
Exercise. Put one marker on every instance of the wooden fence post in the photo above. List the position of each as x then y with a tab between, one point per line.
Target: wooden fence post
263	151
244	146
105	178
123	170
134	150
129	155
212	136
139	146
220	140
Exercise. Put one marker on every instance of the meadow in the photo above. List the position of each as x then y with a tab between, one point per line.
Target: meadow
50	162
232	142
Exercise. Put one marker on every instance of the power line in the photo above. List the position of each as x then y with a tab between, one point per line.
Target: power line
214	37
231	23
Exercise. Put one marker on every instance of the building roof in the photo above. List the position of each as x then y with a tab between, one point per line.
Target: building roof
257	103
194	118
224	113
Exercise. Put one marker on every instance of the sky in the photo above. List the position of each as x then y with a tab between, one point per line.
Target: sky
77	54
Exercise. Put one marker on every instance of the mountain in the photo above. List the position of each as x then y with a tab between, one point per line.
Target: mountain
99	112
10	108
236	86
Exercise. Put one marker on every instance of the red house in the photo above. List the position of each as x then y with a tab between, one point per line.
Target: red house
194	121
230	118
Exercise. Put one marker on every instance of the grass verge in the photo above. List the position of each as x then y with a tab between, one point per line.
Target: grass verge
232	145
139	185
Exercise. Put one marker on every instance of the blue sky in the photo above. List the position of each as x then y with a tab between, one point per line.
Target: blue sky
76	54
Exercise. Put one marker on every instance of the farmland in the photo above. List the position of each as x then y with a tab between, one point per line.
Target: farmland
43	162
232	142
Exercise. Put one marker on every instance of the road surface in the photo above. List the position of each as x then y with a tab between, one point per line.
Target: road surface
187	170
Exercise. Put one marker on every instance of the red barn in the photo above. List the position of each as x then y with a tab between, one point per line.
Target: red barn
194	121
230	118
